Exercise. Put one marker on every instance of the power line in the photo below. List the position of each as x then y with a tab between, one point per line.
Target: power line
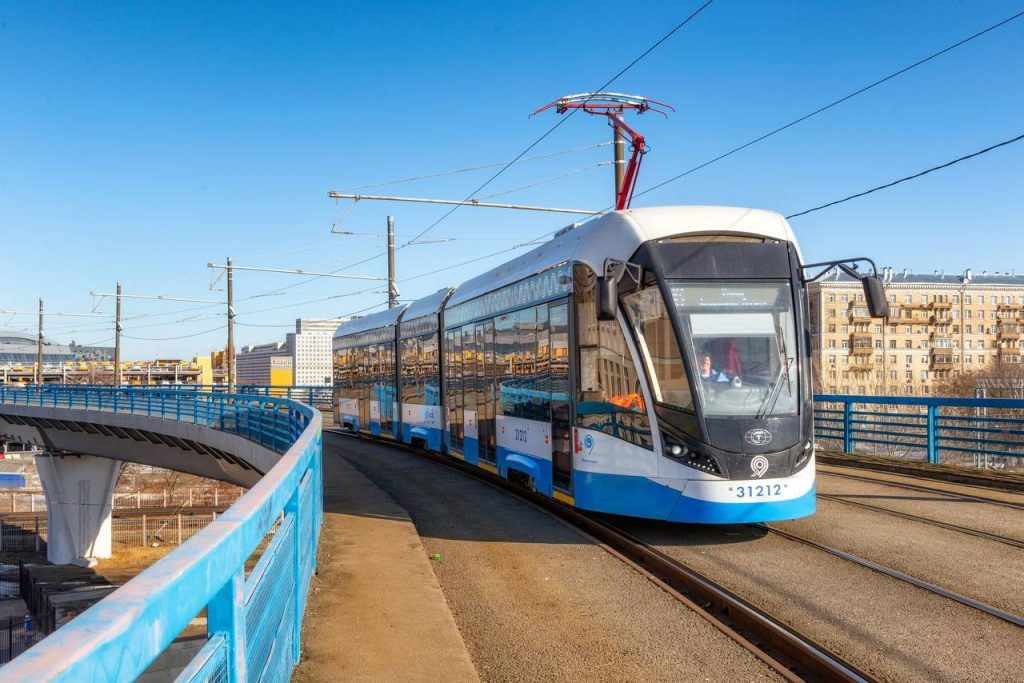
548	180
184	336
909	177
563	119
475	168
506	165
833	103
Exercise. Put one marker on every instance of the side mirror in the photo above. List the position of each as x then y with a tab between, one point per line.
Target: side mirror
607	298
874	294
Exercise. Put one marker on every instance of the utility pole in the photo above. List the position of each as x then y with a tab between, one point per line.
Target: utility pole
117	338
39	347
392	294
230	355
619	146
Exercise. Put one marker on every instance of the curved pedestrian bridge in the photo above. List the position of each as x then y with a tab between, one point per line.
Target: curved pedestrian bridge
253	606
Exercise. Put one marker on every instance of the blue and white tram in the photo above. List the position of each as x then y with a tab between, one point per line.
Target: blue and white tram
652	362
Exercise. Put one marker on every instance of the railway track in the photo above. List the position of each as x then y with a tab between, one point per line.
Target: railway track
899	576
927	489
793	655
1017	543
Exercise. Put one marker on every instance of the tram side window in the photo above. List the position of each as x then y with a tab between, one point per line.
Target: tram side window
646	310
411	390
468	371
610	398
344	374
526	357
429	381
504	358
453	350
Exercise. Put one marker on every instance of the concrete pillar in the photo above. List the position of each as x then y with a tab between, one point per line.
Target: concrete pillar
79	493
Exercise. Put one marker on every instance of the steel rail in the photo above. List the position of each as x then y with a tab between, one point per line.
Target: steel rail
925	520
928	489
791	654
900	576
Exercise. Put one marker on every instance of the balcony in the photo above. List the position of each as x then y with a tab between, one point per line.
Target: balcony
941	359
862	350
1008	332
942	305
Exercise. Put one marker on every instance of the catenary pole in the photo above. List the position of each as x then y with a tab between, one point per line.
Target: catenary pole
229	356
619	148
39	347
392	294
117	337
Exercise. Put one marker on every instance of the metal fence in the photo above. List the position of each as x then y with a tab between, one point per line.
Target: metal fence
17	634
147	530
976	432
254	621
32	501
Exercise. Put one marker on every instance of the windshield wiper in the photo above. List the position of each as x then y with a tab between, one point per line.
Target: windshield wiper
784	364
773	397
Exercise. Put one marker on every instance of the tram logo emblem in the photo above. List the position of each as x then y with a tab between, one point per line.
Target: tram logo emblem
588	442
758	437
758	466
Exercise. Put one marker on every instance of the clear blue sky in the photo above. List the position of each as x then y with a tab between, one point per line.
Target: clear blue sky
138	141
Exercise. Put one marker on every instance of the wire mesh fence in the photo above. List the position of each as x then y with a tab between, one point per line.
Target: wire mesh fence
35	501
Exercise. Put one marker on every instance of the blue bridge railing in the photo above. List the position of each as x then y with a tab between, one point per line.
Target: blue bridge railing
959	431
254	616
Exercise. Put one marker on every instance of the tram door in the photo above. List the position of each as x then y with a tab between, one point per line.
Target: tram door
485	390
561	395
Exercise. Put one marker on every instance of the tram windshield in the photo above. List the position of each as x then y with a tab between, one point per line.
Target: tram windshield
741	342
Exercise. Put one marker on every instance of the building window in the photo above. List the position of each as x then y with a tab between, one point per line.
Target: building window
992	300
908	298
831	298
831	343
909	359
924	375
832	329
878	343
924	298
956	298
844	298
967	298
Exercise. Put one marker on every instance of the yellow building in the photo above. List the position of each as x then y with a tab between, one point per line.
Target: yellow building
939	327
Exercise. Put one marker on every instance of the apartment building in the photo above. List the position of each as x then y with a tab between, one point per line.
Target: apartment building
939	327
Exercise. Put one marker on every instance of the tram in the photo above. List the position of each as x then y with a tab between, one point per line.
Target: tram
651	362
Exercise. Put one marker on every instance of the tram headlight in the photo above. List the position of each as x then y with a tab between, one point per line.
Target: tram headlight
676	451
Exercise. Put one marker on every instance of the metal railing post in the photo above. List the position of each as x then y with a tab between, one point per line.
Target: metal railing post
226	616
933	449
293	508
848	427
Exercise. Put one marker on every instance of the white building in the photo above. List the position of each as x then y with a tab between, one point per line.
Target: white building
303	359
310	350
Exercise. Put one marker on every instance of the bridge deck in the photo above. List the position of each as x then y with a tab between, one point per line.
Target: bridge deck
376	611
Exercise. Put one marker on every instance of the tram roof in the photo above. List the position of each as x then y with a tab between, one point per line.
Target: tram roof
370	322
619	234
428	304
